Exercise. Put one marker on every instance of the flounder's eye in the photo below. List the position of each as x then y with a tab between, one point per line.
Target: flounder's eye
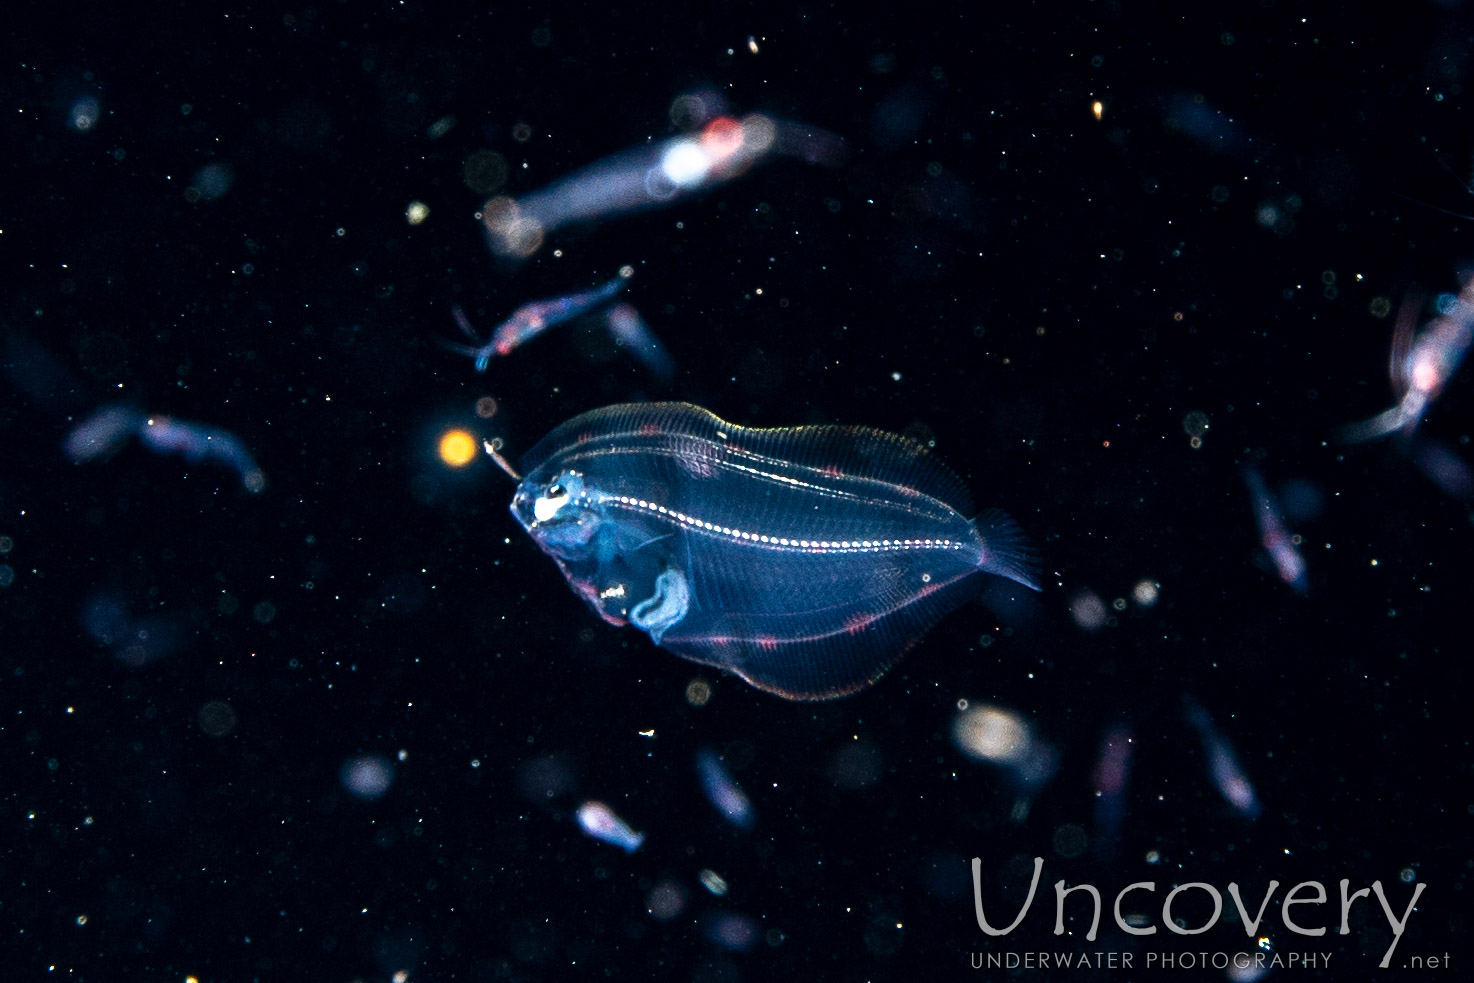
550	501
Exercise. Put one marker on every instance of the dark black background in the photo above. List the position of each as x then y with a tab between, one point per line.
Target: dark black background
1056	294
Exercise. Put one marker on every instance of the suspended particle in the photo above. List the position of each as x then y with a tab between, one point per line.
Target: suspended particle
85	113
1089	611
1069	840
1004	738
665	901
485	172
599	821
722	791
1195	425
367	776
730	930
217	718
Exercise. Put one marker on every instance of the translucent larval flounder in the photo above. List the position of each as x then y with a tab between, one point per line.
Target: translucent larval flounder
806	560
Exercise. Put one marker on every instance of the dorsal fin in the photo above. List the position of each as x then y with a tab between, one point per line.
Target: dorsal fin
860	452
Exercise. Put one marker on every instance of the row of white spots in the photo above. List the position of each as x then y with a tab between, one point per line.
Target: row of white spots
852	546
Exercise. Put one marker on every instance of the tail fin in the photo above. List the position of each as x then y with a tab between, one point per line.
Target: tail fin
1007	551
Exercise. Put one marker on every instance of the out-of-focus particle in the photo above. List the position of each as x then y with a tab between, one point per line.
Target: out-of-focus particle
101	434
884	935
1244	968
1195	425
1302	500
599	821
416	212
1281	547
1144	593
1069	840
722	791
457	448
1089	611
543	779
665	901
648	176
1004	738
698	692
367	776
1223	765
630	331
1111	775
84	114
486	407
730	930
485	172
217	718
855	765
210	182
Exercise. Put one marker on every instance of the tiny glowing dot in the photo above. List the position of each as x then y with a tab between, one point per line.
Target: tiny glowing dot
457	448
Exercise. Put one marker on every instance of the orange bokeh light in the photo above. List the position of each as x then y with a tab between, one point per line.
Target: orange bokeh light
457	448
